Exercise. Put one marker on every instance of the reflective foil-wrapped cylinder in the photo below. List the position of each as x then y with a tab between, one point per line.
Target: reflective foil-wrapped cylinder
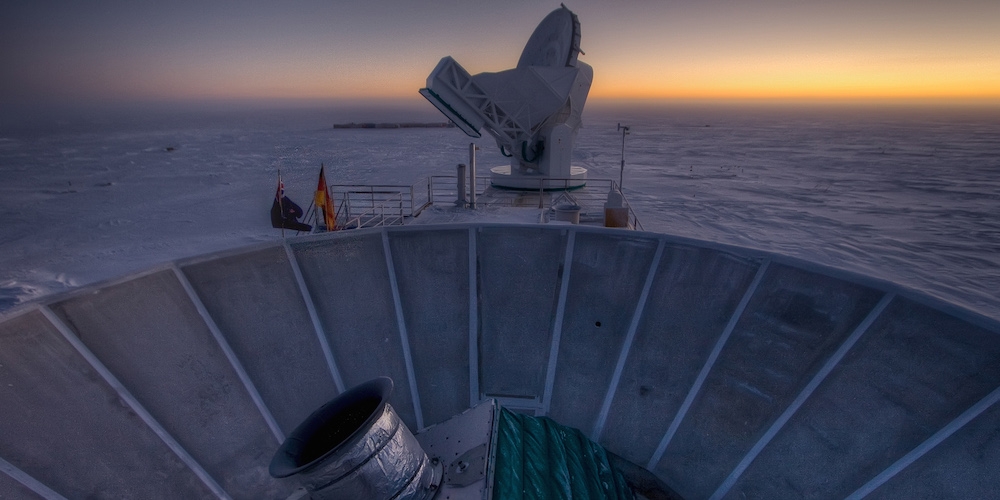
355	446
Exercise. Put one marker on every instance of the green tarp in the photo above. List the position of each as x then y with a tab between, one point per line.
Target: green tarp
537	458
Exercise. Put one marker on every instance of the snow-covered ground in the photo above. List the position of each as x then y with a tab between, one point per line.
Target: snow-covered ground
906	195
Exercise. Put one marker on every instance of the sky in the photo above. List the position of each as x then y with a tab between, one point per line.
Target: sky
146	50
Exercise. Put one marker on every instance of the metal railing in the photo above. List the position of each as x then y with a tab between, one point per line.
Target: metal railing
372	205
444	188
389	212
361	205
591	197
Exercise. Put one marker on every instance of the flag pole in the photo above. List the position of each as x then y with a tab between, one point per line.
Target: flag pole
324	202
281	208
322	210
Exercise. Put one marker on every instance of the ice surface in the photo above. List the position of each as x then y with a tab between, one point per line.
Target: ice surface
907	196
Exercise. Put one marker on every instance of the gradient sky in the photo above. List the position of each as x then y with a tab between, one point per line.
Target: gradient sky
178	50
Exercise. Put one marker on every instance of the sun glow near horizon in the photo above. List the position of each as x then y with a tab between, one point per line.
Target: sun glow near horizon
792	79
765	49
774	79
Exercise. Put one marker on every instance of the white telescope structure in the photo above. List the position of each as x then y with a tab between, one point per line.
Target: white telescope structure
533	111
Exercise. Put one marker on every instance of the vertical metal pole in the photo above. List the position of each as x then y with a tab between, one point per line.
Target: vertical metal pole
281	208
621	175
472	174
621	172
461	185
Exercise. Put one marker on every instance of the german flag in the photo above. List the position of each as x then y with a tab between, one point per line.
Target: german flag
324	201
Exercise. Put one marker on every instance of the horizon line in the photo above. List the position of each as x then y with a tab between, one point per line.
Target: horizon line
410	100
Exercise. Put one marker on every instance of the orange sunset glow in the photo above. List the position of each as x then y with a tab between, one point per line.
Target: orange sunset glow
643	50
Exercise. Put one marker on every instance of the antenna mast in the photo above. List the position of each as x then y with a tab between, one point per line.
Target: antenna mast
621	176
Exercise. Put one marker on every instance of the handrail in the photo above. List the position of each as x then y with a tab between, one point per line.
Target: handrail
381	214
591	197
368	205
